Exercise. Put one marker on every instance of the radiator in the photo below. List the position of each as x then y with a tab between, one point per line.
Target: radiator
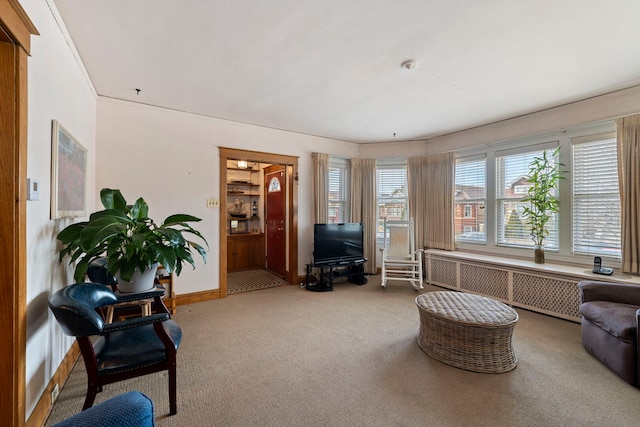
551	293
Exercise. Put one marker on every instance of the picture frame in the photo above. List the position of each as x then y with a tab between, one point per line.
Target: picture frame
68	174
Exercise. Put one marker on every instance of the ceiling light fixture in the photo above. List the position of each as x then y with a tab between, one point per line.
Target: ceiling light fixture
409	64
242	164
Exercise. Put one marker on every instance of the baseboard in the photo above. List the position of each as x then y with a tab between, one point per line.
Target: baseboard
194	297
43	408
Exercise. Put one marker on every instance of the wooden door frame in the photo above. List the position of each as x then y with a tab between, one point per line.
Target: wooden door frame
291	164
16	29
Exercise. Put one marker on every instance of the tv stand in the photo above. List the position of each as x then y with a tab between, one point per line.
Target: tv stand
353	269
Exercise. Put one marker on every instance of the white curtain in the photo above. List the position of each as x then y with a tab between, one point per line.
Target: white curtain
629	183
320	187
364	207
430	182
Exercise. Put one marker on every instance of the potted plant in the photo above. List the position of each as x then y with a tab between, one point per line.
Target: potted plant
131	241
544	174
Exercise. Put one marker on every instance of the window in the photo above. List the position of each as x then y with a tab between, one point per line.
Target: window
338	190
470	194
596	200
392	192
588	222
512	169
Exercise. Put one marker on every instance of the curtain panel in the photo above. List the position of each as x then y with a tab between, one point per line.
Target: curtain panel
629	183
430	182
320	187
364	206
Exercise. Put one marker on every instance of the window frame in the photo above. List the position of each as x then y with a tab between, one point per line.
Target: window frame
563	138
479	201
343	165
389	164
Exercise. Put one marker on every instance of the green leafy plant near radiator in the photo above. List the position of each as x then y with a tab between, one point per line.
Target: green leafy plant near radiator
542	196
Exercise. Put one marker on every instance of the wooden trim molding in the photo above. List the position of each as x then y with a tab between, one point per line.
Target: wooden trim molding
194	297
15	23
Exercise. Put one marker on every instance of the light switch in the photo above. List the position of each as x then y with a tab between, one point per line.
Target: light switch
213	203
33	191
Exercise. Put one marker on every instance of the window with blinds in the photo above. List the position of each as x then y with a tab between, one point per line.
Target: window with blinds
392	192
338	191
470	195
512	169
596	199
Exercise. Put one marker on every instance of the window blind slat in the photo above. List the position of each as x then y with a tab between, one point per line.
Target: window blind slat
596	201
470	195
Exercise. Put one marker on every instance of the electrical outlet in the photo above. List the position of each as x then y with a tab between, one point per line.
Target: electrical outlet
213	203
54	393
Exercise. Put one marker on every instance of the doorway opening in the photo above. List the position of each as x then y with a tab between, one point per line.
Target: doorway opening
258	245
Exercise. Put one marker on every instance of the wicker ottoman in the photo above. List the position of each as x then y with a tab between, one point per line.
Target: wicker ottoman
467	331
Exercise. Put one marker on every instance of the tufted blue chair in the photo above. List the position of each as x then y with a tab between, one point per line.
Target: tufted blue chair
122	350
131	409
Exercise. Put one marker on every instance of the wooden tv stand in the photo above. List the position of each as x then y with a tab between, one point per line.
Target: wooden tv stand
353	269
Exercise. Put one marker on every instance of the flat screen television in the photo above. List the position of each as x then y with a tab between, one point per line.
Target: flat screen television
337	242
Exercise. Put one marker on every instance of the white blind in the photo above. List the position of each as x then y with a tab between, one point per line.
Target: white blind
512	172
596	200
392	193
470	195
338	191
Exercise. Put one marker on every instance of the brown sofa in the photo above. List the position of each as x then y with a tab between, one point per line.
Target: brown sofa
610	317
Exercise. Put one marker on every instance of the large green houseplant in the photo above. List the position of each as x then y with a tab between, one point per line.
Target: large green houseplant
544	175
129	239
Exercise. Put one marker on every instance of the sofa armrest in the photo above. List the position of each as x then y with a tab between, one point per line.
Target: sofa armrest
591	290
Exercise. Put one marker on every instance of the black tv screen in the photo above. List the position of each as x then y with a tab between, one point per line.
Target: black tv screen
337	242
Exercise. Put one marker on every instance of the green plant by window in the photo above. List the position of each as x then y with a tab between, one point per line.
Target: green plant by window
544	175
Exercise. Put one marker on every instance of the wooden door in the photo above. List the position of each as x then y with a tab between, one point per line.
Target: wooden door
275	218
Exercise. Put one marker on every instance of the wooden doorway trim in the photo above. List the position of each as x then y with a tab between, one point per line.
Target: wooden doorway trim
292	209
16	29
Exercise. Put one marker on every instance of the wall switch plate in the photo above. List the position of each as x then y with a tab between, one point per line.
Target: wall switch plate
33	191
213	203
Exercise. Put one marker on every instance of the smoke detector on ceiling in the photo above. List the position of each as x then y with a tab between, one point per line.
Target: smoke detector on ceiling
409	64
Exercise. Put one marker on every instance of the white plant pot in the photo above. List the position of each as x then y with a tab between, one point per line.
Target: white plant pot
140	282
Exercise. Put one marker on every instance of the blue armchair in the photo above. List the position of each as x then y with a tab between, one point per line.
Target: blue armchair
132	409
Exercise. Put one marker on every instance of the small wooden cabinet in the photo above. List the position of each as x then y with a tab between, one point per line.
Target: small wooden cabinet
245	252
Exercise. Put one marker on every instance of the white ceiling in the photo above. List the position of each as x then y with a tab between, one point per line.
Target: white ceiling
331	68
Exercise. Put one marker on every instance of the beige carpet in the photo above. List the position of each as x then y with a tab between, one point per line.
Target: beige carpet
289	357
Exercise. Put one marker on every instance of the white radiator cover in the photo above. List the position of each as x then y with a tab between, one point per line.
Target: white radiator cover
548	289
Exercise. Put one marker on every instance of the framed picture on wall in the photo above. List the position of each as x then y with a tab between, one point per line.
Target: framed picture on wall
68	174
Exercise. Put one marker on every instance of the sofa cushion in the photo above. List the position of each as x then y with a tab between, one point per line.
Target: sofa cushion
616	319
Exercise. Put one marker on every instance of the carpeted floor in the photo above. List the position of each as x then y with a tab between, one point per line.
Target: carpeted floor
252	280
285	356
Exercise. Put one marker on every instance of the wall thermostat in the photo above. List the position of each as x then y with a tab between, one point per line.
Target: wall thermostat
33	189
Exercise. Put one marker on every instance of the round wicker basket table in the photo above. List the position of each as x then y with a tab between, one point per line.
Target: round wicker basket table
467	331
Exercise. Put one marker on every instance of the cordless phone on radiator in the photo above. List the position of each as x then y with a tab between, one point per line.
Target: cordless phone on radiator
599	269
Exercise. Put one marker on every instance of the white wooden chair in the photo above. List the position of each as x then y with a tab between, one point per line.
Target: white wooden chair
400	259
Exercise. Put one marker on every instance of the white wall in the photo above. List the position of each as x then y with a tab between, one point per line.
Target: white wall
58	90
616	104
605	107
171	159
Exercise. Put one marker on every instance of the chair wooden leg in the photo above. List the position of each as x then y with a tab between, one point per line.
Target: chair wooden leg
92	391
173	399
